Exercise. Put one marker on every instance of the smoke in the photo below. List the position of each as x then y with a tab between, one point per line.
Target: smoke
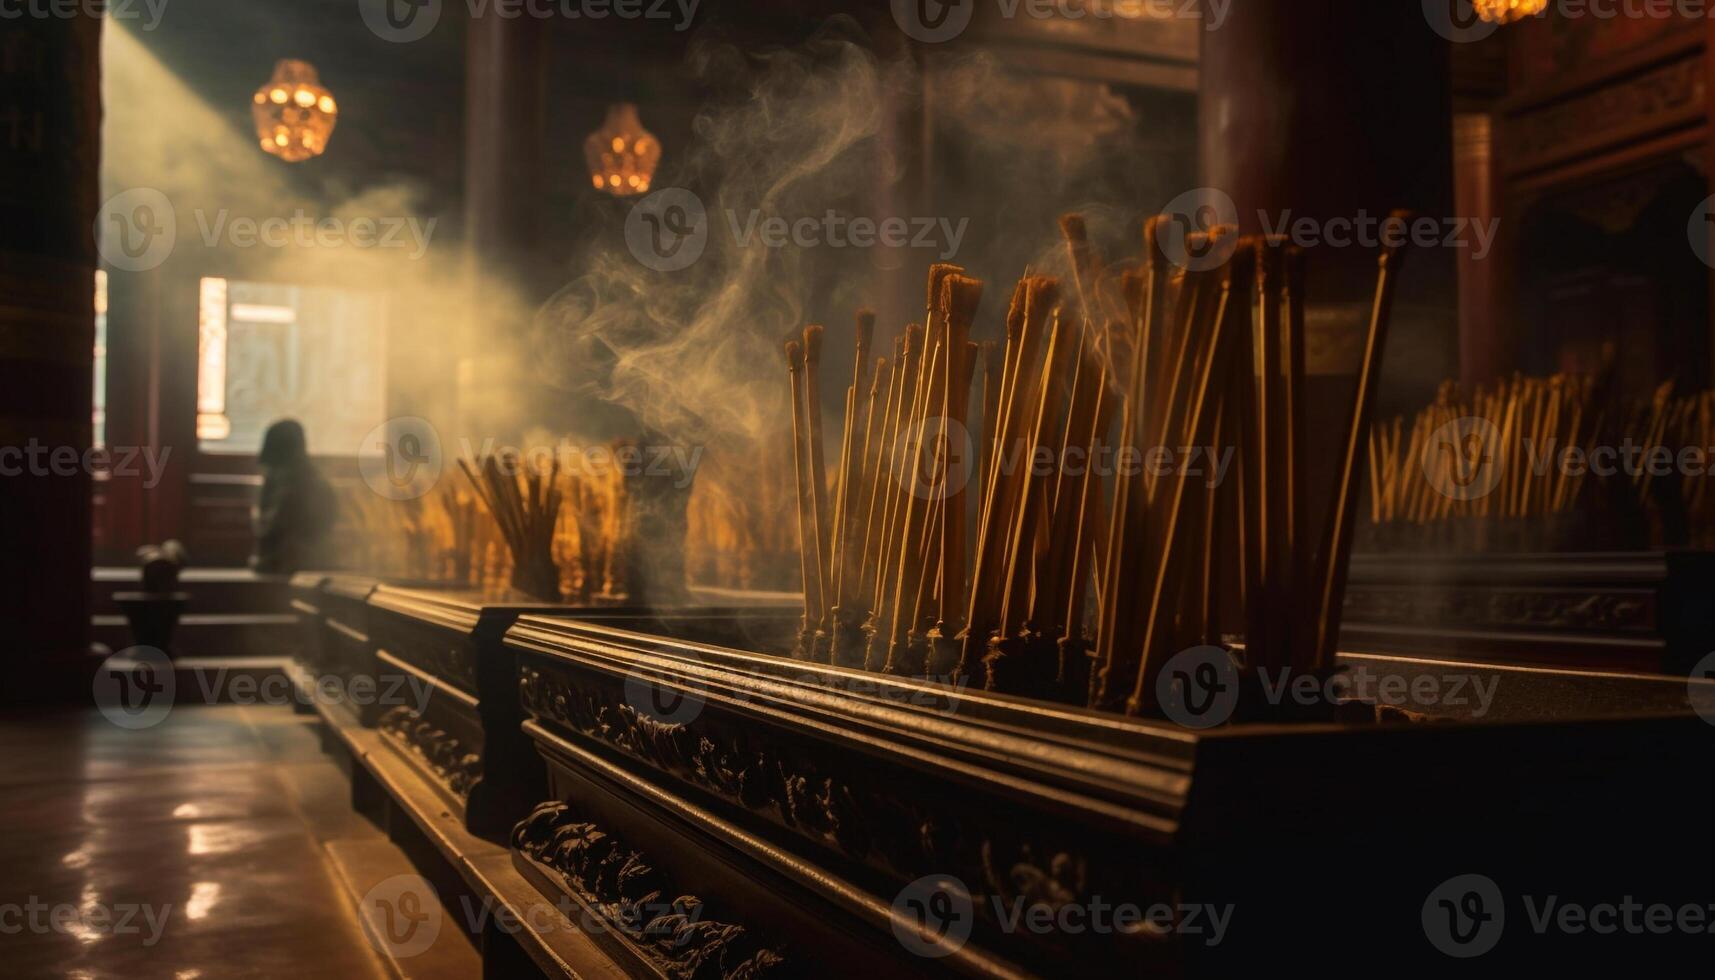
827	127
690	358
695	353
1019	151
245	215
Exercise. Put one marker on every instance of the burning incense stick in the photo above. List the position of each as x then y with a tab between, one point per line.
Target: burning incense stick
806	502
852	463
816	470
526	506
960	297
1209	358
1034	304
1337	541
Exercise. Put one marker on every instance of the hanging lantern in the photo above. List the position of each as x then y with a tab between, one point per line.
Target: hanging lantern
622	154
1507	11
294	114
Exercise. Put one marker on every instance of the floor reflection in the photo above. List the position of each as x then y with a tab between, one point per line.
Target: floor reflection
188	850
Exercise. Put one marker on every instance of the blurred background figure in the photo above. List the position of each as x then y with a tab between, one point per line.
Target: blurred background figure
296	513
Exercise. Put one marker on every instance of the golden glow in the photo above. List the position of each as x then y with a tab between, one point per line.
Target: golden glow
622	155
204	896
1507	11
294	114
212	421
82	926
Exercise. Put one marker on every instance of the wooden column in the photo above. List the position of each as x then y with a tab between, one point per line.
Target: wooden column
1709	166
1482	338
50	115
1328	109
503	138
504	63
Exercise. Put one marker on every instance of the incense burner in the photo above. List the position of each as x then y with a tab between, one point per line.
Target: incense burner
338	656
1641	611
446	689
900	827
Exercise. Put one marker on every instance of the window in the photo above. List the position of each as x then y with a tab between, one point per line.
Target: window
98	414
267	351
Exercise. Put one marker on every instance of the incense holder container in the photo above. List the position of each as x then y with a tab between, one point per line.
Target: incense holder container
448	688
850	643
897	827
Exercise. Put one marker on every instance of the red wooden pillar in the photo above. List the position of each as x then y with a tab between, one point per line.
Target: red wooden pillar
504	63
1336	109
1483	347
50	115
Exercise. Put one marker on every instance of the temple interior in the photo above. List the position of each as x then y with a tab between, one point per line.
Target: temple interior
688	489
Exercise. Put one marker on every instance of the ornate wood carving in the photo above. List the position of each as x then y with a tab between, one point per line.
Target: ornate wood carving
879	817
1632	610
431	632
1606	612
447	660
628	893
1672	94
786	780
443	753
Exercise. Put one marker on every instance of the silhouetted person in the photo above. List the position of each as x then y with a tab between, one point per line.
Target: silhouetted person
295	516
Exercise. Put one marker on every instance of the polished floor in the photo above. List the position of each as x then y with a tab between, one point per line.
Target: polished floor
196	849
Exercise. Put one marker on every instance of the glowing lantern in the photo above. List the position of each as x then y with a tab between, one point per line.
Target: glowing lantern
294	114
1507	11
622	154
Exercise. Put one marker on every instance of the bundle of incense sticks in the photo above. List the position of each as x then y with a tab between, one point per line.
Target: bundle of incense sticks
998	556
737	536
1492	453
1510	465
525	503
585	542
1692	427
412	538
464	520
1219	361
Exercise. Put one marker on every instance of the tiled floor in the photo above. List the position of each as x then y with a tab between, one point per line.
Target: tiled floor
188	851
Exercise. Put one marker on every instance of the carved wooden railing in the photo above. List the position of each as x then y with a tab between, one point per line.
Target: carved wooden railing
891	824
